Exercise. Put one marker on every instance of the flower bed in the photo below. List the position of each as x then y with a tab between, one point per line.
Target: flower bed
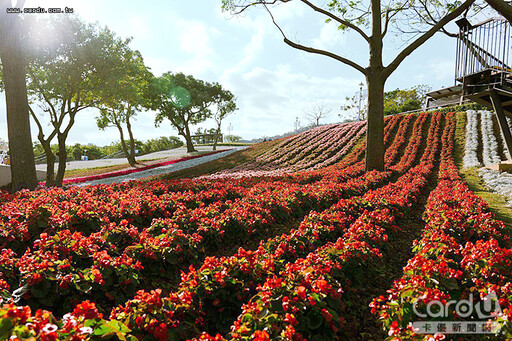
131	171
463	250
73	254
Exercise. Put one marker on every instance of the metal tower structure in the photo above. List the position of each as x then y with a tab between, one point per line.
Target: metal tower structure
483	67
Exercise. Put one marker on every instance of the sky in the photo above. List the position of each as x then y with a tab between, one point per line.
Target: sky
274	84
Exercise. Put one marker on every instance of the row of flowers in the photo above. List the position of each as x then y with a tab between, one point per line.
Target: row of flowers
134	170
288	148
499	182
471	147
58	268
303	151
463	251
326	146
306	299
26	214
131	252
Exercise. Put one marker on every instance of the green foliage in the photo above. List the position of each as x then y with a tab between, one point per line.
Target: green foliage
204	97
66	62
232	138
94	152
460	108
397	101
196	101
162	143
205	139
69	66
124	90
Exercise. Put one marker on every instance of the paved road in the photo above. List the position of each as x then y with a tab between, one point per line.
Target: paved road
173	153
162	170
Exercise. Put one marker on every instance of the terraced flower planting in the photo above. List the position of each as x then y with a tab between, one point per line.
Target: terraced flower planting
295	243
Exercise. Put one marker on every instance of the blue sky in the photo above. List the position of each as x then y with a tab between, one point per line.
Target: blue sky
273	82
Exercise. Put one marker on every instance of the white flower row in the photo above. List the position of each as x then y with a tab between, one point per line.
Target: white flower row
470	152
499	182
489	143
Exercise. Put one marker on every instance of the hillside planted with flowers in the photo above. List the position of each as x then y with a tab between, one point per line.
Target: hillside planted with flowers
296	242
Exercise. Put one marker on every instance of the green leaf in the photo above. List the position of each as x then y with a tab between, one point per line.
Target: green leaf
6	325
451	283
111	327
263	313
41	289
314	320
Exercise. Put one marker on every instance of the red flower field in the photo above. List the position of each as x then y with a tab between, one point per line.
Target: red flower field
298	243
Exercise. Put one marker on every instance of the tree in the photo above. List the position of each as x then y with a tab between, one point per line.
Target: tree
184	101
23	168
355	107
315	112
398	101
371	21
67	67
124	92
162	143
395	101
225	106
233	138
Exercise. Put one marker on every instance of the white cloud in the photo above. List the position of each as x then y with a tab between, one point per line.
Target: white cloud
270	100
194	37
290	11
330	38
441	69
196	42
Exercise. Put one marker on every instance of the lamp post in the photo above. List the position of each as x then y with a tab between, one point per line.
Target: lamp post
360	96
230	129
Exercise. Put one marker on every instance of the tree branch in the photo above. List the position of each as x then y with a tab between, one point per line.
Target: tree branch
338	19
314	50
40	135
502	7
424	37
390	16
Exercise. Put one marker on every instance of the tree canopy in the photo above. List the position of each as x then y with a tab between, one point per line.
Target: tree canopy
68	62
397	101
185	101
124	91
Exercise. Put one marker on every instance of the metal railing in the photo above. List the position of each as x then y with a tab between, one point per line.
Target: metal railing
485	46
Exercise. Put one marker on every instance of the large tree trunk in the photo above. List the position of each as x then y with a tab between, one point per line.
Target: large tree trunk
375	127
375	81
50	162
216	137
131	156
188	139
63	155
23	168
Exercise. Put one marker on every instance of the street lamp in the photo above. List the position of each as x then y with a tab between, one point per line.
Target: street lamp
230	129
360	96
